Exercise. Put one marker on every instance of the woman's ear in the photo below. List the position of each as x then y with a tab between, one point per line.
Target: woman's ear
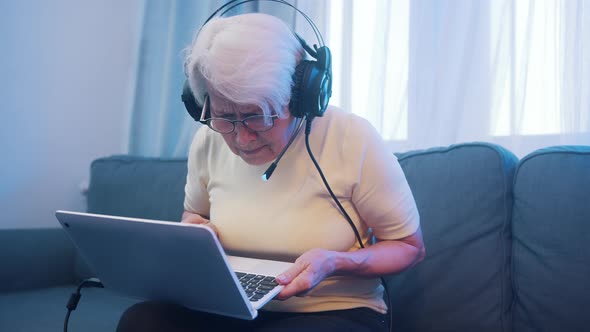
286	113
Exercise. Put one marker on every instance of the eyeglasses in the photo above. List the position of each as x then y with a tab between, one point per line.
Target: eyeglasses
257	123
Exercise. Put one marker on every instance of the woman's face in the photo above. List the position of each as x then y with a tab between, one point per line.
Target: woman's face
255	148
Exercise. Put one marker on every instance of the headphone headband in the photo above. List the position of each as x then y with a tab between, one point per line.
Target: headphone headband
236	3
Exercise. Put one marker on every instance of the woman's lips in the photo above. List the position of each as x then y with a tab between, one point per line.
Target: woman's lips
254	151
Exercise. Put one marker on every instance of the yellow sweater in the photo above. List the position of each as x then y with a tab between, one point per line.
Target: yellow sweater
293	212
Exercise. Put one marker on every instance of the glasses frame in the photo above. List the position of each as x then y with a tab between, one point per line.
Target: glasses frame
207	121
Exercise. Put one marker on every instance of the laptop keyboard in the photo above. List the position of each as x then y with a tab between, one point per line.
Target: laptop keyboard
256	285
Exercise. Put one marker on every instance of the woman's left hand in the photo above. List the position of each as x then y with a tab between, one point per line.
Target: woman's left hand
308	271
382	258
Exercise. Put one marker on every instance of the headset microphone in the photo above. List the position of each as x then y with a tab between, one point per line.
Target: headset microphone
274	164
270	170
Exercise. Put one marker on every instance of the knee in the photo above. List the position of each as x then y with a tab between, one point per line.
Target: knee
145	316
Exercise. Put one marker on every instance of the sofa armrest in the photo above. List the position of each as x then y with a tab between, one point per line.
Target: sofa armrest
35	258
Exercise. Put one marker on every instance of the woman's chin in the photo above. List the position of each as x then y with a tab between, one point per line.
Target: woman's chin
257	158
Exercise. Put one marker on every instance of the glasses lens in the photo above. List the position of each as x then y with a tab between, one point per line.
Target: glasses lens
221	125
259	122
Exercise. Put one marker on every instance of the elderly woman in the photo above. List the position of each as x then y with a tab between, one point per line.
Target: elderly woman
242	70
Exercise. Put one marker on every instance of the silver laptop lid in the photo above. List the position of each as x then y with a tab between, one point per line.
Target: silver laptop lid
158	260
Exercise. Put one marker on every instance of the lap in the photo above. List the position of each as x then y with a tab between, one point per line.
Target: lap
158	316
357	320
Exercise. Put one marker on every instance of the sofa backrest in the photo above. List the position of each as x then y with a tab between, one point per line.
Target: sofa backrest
464	196
137	187
551	246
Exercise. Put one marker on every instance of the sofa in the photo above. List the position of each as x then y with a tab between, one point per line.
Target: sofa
506	241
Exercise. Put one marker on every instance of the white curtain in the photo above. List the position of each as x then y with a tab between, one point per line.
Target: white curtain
425	73
432	73
160	126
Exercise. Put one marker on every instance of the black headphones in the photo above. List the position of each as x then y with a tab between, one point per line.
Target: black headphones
312	80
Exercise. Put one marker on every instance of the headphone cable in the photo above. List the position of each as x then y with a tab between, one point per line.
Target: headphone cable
346	216
75	297
271	168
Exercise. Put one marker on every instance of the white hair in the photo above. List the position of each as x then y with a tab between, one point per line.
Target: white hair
247	59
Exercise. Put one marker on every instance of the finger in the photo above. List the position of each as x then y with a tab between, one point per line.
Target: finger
213	228
195	219
290	274
300	286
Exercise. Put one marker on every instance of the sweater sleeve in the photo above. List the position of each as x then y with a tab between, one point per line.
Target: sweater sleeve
381	194
196	196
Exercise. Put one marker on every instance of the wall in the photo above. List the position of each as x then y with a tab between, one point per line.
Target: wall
67	72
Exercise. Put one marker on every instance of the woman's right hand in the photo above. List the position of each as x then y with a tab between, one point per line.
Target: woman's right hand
193	218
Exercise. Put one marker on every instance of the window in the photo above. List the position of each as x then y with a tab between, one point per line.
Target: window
528	94
481	70
374	62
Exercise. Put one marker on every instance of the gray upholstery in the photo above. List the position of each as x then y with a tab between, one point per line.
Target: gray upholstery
551	226
137	187
464	195
44	310
32	258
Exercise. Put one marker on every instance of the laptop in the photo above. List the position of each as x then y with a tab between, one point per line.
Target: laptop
172	262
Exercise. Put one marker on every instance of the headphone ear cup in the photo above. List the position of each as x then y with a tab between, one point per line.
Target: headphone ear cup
324	60
311	90
190	103
297	90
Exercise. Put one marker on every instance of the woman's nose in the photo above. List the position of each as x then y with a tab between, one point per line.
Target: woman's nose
243	135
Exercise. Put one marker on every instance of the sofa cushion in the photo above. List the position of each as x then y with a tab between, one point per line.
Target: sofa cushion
463	194
34	258
45	309
551	229
151	188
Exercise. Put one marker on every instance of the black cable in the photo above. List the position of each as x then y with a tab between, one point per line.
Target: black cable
341	208
75	297
66	320
390	309
317	166
271	168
